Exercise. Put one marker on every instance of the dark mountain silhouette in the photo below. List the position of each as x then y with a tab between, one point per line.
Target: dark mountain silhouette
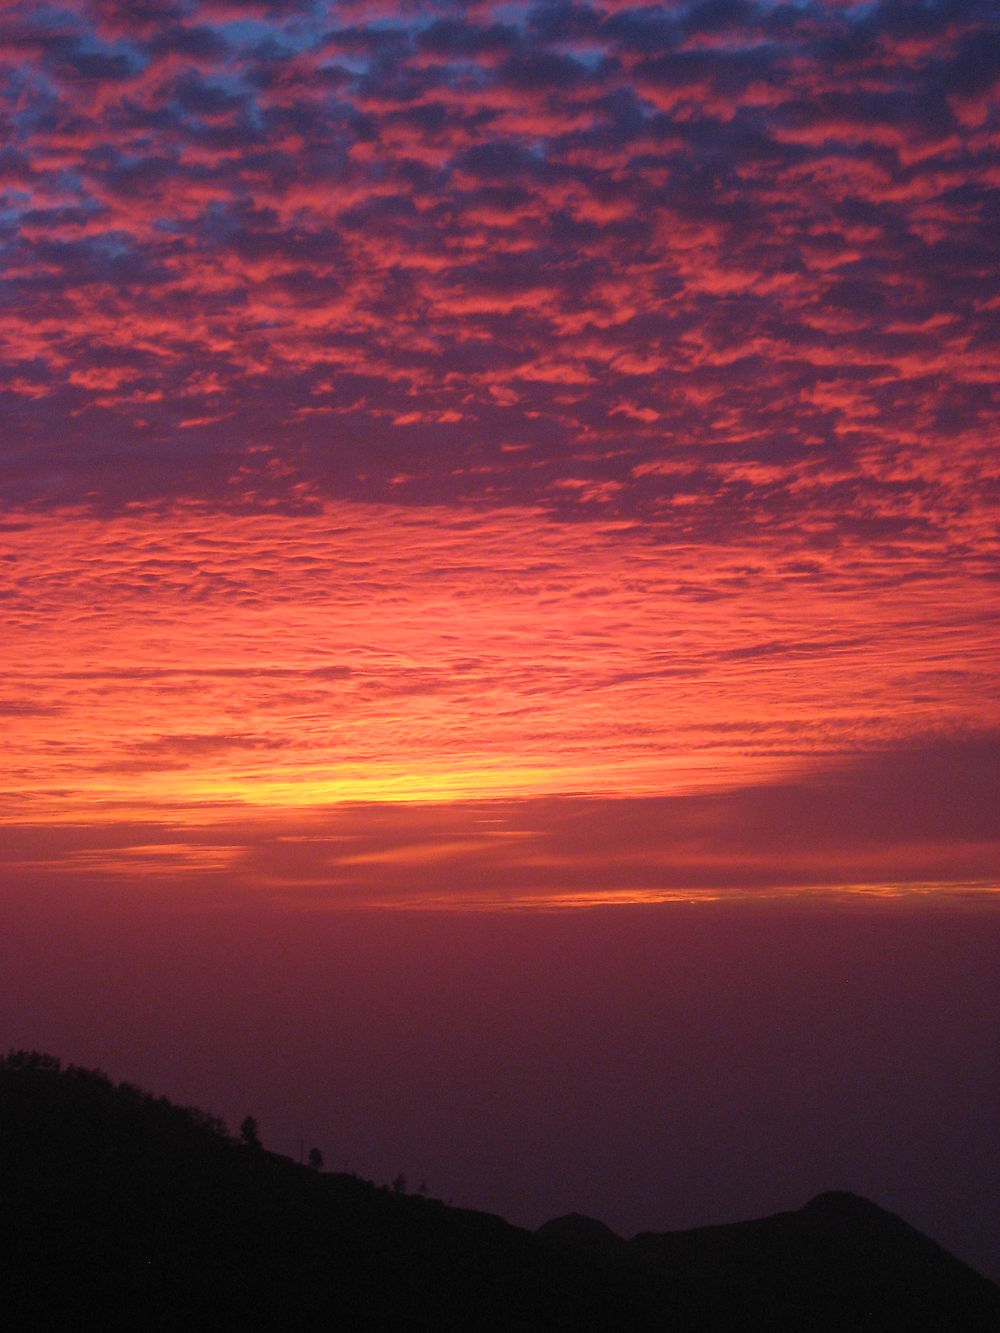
121	1210
584	1236
841	1262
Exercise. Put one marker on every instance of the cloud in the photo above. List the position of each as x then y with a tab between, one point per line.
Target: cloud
594	398
915	820
386	244
354	652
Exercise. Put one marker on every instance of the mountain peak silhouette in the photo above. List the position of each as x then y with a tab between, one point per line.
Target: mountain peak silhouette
120	1210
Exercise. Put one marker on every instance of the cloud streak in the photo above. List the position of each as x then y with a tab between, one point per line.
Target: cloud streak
906	823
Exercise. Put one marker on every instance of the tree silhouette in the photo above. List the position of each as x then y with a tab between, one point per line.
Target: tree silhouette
250	1133
315	1159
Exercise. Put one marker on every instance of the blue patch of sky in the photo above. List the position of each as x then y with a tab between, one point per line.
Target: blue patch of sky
591	57
862	11
12	204
31	95
56	18
231	83
137	59
513	15
359	66
248	32
71	182
172	226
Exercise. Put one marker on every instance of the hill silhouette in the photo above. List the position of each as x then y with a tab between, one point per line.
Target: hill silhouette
119	1209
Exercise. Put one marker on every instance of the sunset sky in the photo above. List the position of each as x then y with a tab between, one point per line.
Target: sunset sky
496	459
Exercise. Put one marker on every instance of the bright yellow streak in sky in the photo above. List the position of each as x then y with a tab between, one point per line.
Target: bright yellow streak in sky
368	653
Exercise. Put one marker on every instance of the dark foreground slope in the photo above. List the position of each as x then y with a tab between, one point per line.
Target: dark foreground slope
119	1210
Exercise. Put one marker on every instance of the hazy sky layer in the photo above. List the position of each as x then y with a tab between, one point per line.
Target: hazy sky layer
655	1067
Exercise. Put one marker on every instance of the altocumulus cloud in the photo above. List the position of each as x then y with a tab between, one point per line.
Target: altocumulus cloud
717	266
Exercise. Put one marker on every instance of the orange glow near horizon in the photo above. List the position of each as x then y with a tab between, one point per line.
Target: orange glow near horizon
376	654
233	681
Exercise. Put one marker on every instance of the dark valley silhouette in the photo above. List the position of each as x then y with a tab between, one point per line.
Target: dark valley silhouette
120	1209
